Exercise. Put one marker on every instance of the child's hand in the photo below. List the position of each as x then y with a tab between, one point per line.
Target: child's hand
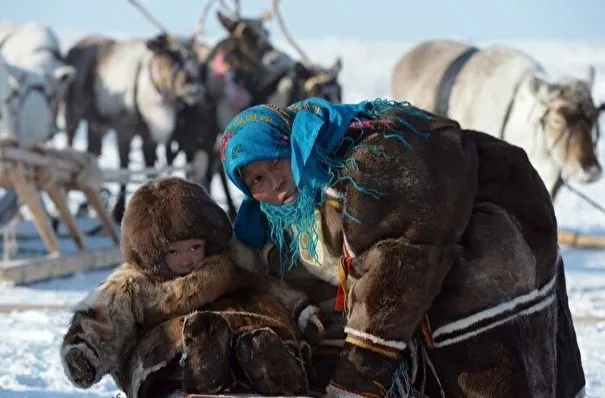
310	325
81	365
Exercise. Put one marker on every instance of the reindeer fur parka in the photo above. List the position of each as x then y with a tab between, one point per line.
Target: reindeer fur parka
452	282
137	324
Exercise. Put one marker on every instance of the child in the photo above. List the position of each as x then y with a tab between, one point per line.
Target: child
439	243
179	258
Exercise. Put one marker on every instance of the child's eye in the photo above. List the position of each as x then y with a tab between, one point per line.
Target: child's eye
171	252
197	246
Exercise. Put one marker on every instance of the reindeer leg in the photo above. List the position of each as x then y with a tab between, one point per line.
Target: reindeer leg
170	153
94	145
149	150
197	161
95	138
210	170
72	121
95	201
123	142
231	210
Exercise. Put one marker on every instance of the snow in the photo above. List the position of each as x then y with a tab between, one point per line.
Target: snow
30	336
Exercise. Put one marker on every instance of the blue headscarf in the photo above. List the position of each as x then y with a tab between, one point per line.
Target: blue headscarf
307	132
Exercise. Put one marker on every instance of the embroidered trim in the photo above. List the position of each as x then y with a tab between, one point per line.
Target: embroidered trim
399	345
344	266
347	248
490	318
337	205
336	390
371	346
425	327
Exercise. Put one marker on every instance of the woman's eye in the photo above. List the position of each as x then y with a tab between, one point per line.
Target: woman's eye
171	252
197	246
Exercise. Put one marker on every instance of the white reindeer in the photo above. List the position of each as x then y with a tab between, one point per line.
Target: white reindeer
35	48
506	93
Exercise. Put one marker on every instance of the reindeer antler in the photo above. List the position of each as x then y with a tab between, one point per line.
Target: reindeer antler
202	21
157	24
287	36
148	15
237	10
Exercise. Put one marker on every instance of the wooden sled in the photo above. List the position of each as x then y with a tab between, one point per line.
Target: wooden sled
29	169
186	395
581	240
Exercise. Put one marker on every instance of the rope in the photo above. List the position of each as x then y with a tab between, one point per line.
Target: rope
584	197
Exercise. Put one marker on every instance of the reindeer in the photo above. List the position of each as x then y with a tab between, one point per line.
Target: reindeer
281	81
243	69
231	72
26	115
508	94
305	78
35	49
33	80
135	87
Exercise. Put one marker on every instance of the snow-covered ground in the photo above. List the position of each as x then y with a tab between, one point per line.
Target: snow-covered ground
30	337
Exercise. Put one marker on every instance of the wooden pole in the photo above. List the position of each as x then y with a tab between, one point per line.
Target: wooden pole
581	240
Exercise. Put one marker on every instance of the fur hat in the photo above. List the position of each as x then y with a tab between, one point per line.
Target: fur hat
166	210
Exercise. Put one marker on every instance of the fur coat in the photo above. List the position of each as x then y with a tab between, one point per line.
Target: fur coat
137	324
450	282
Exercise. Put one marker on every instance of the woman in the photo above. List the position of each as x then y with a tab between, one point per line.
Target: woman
439	245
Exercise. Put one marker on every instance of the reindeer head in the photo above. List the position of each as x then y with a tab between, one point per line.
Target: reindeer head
28	104
175	71
248	34
308	79
178	69
569	124
313	81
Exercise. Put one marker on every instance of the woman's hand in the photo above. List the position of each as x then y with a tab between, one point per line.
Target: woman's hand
309	323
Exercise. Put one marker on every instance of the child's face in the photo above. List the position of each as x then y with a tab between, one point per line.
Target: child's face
270	181
185	255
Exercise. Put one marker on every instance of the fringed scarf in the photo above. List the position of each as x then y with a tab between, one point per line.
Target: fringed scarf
309	132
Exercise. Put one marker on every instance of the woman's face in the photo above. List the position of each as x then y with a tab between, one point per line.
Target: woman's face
270	181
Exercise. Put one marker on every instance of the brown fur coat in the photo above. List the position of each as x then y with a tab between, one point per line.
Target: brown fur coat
132	326
453	278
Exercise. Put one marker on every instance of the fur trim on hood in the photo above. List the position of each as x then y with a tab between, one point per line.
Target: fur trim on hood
167	210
